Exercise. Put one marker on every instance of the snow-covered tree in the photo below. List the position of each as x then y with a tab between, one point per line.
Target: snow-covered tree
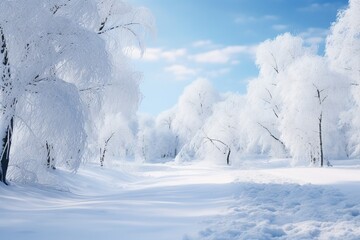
56	53
170	135
313	97
156	141
169	141
221	140
264	104
122	27
343	42
193	108
35	43
342	51
49	130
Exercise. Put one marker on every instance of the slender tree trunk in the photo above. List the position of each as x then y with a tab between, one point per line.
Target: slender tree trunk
50	160
228	157
320	142
321	100
8	108
5	153
212	140
103	151
176	145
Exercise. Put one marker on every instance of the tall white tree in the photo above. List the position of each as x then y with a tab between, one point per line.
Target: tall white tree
313	97
343	42
342	51
264	104
123	27
221	139
156	138
35	43
193	108
60	47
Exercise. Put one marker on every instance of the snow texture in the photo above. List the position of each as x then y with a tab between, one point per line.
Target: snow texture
159	201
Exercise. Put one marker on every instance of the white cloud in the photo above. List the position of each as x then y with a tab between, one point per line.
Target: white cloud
234	62
314	36
218	72
173	55
280	27
205	44
271	17
242	19
181	72
202	43
222	55
156	54
318	7
152	54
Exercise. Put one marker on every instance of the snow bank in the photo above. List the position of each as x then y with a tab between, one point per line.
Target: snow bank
195	201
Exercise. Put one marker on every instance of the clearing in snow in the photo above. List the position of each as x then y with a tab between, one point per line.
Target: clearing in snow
197	201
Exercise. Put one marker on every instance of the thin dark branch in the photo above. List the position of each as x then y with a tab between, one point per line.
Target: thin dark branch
103	152
56	8
102	24
324	99
213	141
276	68
107	140
269	93
272	135
276	115
94	88
265	100
126	26
318	94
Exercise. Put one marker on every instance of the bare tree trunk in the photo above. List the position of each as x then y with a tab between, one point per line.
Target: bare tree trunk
228	157
50	161
5	153
8	108
214	141
321	100
103	151
176	146
320	141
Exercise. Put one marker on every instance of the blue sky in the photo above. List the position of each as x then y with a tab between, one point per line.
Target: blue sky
216	40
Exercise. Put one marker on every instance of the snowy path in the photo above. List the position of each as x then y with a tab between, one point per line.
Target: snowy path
187	202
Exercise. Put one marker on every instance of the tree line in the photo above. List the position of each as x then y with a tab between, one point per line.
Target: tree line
69	95
303	106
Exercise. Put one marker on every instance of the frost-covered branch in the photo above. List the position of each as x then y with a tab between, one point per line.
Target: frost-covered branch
56	7
214	141
126	27
272	135
103	151
320	119
275	67
94	88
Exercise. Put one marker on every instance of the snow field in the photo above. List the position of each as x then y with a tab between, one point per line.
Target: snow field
155	202
197	201
295	203
287	211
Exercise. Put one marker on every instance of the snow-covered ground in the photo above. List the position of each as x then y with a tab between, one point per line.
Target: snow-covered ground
198	201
